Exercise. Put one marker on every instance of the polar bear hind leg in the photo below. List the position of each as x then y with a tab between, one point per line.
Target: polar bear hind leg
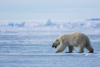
61	48
89	48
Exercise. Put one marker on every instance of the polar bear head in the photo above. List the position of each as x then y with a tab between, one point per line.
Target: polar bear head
56	43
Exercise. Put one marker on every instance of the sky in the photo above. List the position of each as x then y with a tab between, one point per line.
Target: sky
49	9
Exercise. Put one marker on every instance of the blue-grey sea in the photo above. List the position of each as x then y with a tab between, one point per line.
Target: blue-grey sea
29	44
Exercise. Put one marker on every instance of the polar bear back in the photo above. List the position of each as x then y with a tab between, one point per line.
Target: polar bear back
73	39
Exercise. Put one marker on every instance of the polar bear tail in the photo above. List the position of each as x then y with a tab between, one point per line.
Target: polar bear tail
88	46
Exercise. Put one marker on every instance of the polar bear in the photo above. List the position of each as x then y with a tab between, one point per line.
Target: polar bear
79	40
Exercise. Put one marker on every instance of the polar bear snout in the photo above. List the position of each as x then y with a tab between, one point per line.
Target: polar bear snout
55	43
54	46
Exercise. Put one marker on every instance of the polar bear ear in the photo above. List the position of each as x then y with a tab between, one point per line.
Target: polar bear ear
57	39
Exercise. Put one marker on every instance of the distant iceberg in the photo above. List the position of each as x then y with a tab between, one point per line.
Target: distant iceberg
20	25
49	23
17	24
94	19
11	24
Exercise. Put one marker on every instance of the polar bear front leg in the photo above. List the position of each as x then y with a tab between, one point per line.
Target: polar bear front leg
71	48
61	48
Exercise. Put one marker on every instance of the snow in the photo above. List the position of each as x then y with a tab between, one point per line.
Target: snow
29	44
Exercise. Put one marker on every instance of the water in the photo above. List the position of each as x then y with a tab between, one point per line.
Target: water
31	46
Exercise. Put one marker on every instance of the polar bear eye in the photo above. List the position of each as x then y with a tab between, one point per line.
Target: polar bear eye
57	40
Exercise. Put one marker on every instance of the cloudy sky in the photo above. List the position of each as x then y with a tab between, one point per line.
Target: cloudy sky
49	9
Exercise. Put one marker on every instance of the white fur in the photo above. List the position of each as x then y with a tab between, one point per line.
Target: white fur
74	39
